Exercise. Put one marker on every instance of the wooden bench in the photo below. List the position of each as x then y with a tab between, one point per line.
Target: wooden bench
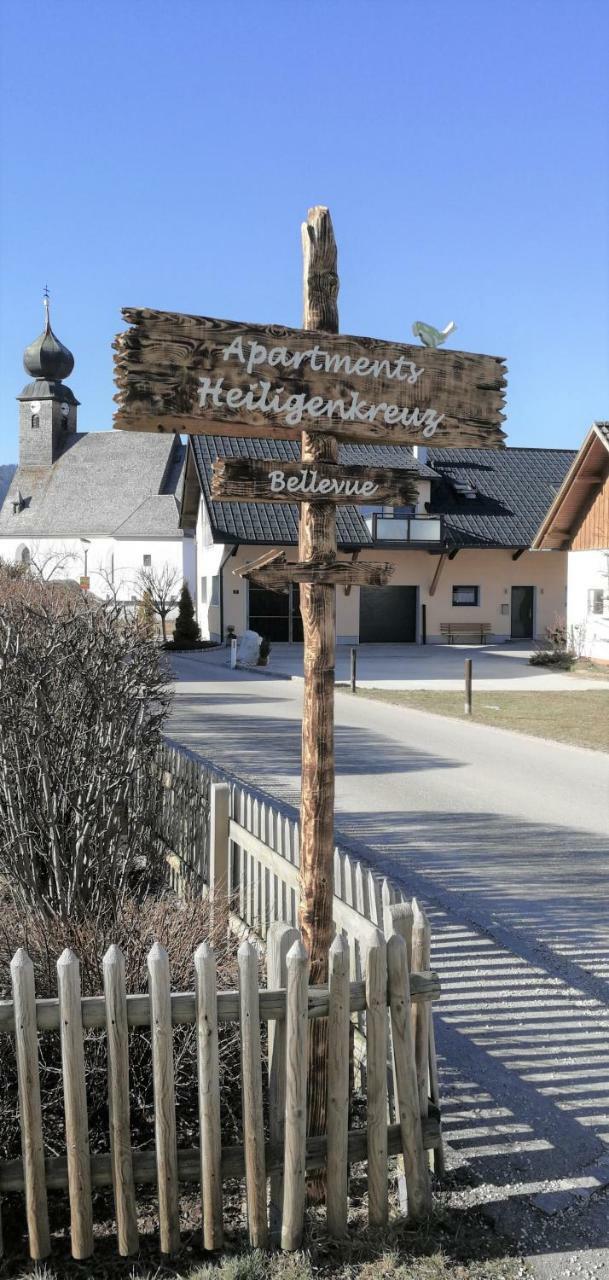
469	629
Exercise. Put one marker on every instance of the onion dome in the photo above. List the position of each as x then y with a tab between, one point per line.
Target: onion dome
47	357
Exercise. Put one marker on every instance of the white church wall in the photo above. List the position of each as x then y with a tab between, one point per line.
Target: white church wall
113	565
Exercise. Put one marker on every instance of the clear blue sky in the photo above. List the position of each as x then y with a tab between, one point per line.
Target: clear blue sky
163	153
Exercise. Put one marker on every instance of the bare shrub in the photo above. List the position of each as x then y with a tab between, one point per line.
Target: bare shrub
83	697
179	927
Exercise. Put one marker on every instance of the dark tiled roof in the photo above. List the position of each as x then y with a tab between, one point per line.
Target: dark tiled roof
513	490
513	487
7	471
272	522
603	431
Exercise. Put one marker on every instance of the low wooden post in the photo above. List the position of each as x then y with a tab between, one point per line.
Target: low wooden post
337	1159
75	1105
253	1121
354	670
280	938
415	1162
468	686
118	1101
376	1077
208	1070
30	1110
423	624
218	853
164	1098
295	1147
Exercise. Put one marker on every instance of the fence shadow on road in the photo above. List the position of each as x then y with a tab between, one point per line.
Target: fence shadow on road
520	943
269	747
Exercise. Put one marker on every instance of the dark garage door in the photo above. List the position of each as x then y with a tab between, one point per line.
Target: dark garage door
387	615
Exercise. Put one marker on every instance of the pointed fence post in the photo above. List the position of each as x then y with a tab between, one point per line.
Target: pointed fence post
118	1101
376	1077
253	1121
415	1162
421	949
281	937
398	919
208	1064
295	1146
30	1110
164	1098
75	1105
338	1088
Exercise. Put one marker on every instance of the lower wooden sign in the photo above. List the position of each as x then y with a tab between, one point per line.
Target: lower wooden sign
249	480
340	573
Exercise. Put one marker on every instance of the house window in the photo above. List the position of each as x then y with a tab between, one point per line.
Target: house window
215	590
147	562
466	595
596	600
203	590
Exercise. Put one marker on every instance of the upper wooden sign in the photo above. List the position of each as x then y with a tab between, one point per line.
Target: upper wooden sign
194	375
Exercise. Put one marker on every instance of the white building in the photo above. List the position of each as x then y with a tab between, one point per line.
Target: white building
578	521
98	507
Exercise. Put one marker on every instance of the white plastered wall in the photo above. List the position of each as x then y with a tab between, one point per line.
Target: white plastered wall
588	571
113	564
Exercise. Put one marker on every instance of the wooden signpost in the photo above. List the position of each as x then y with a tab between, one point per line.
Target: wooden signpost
195	375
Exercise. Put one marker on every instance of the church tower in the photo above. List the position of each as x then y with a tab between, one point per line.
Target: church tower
47	408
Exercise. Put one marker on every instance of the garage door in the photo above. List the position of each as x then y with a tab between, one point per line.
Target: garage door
387	615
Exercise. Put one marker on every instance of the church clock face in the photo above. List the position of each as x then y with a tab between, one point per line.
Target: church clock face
65	409
35	406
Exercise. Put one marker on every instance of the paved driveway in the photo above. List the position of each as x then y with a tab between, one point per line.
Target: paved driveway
411	666
506	839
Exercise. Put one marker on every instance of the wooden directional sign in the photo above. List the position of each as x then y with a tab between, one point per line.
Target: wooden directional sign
245	480
343	573
196	375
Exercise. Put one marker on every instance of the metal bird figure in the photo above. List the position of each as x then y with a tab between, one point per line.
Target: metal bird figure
431	337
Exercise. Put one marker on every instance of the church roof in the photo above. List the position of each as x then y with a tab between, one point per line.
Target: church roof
110	483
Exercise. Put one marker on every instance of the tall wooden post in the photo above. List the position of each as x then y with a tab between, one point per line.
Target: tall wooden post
317	544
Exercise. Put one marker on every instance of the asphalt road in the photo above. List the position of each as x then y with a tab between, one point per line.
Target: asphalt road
506	840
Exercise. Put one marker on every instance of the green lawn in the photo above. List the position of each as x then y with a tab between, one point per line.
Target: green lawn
580	717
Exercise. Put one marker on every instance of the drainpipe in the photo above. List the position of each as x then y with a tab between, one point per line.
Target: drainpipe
232	551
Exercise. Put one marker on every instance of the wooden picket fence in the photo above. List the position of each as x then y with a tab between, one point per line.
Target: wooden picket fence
274	1165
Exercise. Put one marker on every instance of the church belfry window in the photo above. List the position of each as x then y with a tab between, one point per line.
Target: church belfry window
35	421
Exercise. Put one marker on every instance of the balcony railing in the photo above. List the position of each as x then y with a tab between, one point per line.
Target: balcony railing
411	529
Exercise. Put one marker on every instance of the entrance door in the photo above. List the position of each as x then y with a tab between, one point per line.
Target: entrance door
275	614
387	615
522	613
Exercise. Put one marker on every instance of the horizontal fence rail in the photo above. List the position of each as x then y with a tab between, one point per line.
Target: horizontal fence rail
388	997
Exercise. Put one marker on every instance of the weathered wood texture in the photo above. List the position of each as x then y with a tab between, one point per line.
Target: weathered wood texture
208	1070
75	1105
118	1101
280	938
338	1089
338	573
295	1136
164	1099
405	1074
376	1078
30	1110
160	360
593	531
253	1118
297	1008
249	480
317	545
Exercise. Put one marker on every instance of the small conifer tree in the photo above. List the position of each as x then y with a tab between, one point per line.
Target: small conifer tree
186	630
